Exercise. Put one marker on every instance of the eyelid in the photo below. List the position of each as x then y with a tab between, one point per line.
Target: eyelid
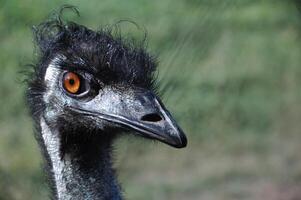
80	68
82	73
76	66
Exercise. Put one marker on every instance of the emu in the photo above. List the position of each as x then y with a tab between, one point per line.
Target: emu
87	88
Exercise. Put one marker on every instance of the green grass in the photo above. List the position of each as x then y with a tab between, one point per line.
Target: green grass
230	72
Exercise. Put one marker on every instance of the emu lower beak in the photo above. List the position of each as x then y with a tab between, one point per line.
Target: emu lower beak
138	110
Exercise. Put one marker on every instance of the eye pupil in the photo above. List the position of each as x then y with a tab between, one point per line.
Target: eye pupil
71	81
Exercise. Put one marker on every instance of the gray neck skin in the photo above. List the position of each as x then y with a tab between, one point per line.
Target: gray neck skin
84	172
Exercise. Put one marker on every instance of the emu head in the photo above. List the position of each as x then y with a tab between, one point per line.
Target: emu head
92	82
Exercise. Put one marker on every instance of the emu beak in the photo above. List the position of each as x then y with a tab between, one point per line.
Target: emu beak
138	110
149	118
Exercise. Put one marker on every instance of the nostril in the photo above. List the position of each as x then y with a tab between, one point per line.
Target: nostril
152	117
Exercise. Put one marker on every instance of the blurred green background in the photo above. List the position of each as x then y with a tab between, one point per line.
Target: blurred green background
230	72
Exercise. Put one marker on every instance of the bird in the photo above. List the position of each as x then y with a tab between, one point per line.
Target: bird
87	88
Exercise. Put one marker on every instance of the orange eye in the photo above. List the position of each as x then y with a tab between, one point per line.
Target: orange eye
71	82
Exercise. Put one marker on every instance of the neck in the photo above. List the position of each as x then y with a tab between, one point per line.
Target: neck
79	169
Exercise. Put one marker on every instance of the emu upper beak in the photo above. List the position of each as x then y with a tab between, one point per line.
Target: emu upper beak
139	110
